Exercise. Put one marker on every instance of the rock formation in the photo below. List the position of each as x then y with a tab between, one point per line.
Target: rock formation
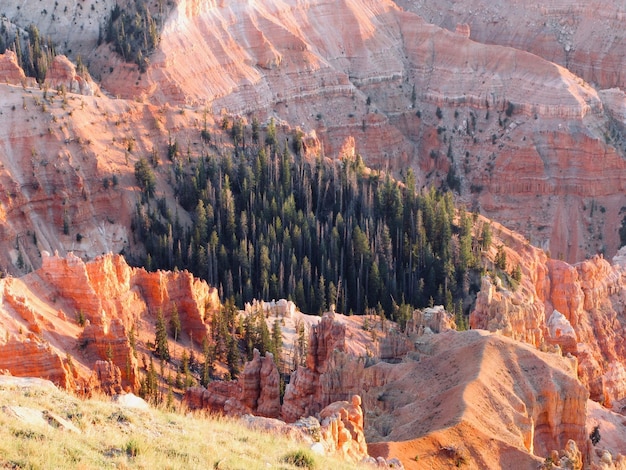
342	429
10	71
432	319
578	308
330	375
28	356
260	389
310	388
109	377
257	391
65	319
62	74
340	432
213	399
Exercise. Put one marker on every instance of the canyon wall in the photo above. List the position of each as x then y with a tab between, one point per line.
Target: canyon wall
585	37
527	138
518	130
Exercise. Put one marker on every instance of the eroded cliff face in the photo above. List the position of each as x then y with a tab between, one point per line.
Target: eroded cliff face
585	37
528	140
511	125
579	308
61	320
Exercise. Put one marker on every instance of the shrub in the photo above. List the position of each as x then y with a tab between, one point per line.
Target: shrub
132	448
509	109
300	458
595	435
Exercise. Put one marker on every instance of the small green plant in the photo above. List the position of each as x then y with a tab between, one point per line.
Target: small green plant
509	109
80	318
300	459
595	435
132	448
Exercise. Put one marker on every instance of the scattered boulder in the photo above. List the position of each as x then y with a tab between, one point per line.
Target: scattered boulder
129	400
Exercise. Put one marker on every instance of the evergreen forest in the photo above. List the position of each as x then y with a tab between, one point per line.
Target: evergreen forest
269	224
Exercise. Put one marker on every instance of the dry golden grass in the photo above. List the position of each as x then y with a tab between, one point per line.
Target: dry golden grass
123	438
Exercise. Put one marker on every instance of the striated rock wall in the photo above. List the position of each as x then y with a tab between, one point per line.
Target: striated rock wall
110	343
512	125
31	357
109	288
585	37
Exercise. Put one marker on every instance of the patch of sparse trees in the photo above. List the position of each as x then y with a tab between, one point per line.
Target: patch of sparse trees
134	32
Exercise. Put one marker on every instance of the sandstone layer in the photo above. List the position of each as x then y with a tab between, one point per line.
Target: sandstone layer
585	37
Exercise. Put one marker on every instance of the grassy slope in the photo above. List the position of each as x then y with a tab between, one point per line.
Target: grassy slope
110	435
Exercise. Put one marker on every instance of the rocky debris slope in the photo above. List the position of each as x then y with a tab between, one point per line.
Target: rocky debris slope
62	321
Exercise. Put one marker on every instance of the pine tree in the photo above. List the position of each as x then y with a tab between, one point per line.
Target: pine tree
277	341
485	237
263	334
132	339
233	358
161	347
175	323
208	352
501	258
